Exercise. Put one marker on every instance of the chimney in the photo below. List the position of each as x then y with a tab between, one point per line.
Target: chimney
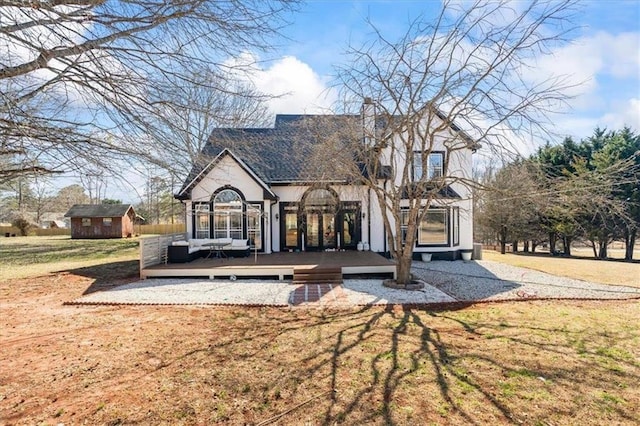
368	122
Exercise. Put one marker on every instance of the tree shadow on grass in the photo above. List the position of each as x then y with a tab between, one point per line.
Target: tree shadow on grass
382	361
416	349
388	379
108	275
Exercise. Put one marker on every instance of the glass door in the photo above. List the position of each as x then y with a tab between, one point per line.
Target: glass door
349	226
320	231
349	234
328	231
313	232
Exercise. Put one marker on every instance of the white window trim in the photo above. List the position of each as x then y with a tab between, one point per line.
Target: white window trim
229	211
202	231
431	173
446	242
255	209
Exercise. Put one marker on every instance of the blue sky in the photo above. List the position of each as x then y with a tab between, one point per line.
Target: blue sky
603	55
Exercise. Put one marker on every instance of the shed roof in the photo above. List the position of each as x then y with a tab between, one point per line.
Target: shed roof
99	210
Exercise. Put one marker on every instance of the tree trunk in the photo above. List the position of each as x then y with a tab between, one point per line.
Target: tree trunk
552	243
566	241
629	242
525	247
403	270
515	246
602	252
534	245
502	236
593	246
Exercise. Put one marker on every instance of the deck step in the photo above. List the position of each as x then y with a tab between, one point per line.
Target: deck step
317	276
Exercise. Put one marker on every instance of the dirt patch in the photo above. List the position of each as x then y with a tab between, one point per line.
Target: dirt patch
533	363
412	286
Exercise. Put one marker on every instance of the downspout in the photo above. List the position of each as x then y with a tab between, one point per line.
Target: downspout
384	223
369	215
271	224
186	215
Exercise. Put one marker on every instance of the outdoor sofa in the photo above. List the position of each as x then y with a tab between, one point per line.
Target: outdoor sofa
186	251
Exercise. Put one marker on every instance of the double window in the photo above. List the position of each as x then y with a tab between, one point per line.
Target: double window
434	163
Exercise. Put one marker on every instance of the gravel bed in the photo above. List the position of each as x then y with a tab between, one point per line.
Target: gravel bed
446	282
486	280
194	291
372	292
254	292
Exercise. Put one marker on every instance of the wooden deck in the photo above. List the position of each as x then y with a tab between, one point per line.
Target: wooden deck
278	265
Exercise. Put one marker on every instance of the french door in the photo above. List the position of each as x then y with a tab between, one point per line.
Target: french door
320	231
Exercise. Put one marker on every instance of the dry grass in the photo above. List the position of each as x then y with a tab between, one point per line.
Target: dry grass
34	256
535	363
599	271
532	363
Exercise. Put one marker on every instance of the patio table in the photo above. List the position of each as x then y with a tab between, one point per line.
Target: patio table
215	248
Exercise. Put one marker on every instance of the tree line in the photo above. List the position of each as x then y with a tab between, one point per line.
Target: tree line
587	191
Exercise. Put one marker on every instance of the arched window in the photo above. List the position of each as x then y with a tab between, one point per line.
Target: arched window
227	214
320	199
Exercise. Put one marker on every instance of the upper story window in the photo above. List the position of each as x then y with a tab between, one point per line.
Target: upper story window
435	165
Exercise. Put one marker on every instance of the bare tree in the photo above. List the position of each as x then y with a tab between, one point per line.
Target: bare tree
68	196
177	132
509	204
76	75
95	183
451	82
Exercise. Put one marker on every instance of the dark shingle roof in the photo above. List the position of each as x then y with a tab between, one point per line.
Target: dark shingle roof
285	153
98	210
279	154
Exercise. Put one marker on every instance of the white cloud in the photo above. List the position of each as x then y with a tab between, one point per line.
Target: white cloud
624	114
297	88
588	60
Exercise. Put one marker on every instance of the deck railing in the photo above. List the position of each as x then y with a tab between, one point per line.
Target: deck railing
153	250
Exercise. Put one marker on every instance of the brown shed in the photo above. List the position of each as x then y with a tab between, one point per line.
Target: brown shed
101	220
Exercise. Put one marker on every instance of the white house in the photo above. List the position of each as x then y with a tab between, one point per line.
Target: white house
259	184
